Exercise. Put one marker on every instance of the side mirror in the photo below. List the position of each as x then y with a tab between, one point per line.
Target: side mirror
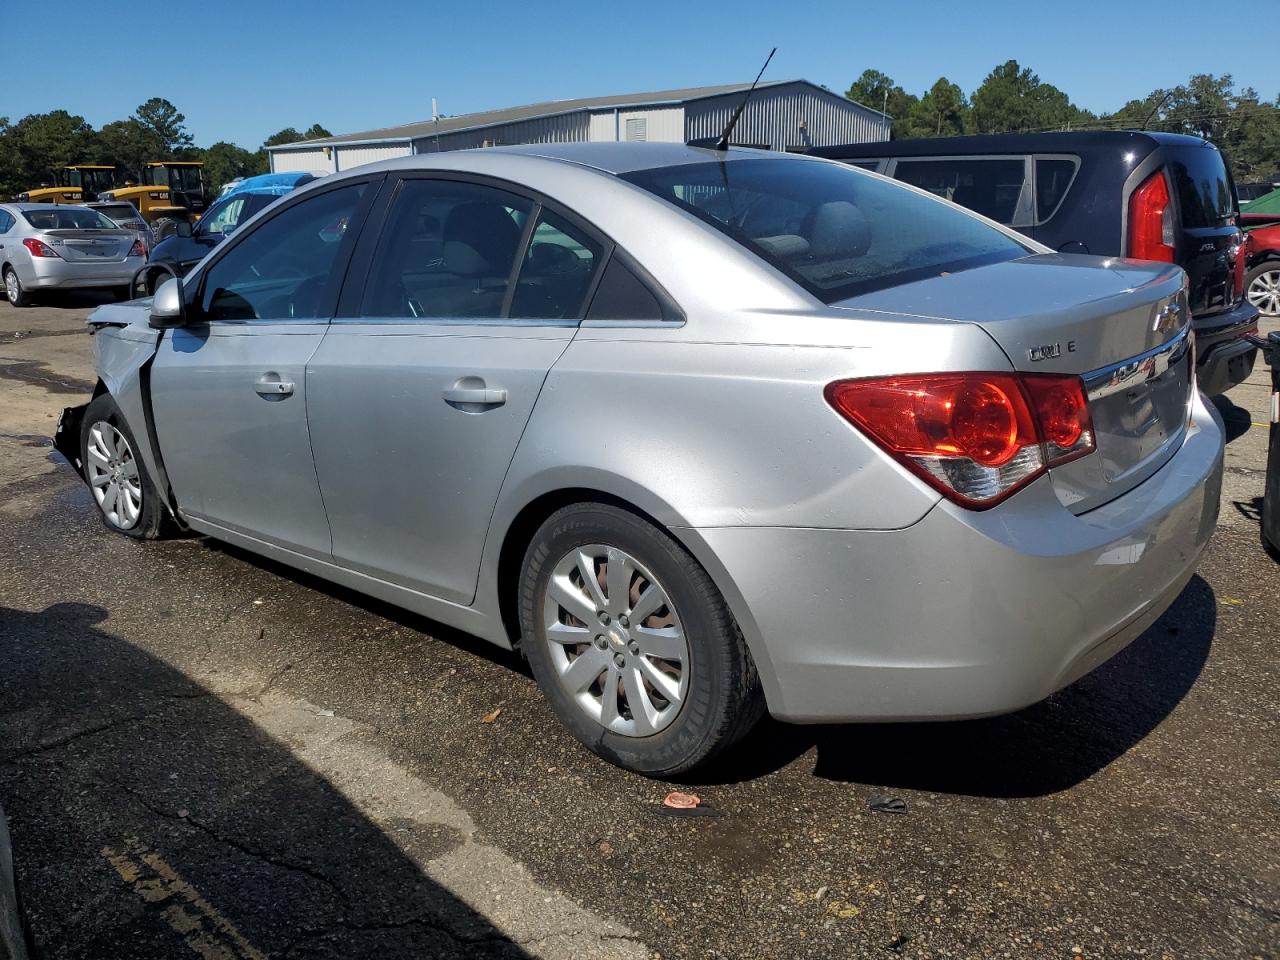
184	228
167	306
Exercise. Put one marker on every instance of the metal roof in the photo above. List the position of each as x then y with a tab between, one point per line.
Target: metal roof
488	118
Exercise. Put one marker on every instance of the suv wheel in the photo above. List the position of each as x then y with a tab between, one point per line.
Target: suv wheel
632	643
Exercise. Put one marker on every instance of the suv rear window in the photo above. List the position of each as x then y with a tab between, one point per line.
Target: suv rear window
1200	181
118	212
832	229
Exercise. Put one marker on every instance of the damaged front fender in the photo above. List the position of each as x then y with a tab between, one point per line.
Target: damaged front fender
66	439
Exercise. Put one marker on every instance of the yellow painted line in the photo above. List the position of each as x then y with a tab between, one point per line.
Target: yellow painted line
207	933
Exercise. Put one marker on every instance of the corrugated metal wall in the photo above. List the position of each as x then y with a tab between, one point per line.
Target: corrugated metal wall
773	117
349	157
301	161
601	128
661	124
566	128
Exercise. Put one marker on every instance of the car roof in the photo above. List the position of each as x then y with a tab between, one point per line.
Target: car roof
41	206
1059	142
614	158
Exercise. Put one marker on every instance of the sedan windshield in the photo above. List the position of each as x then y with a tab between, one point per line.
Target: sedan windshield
834	230
68	218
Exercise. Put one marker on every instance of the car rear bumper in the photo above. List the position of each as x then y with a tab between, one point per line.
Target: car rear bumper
1223	357
50	273
965	613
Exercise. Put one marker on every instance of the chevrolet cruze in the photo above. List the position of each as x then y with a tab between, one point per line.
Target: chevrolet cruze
703	433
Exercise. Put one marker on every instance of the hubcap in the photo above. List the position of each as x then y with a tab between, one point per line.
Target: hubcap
1264	293
113	476
11	286
616	641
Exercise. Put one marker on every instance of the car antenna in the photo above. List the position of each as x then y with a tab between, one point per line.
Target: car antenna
723	142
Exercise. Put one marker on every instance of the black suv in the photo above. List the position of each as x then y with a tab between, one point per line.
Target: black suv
1151	196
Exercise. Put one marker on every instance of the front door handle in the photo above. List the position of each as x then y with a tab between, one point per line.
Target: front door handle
272	388
473	399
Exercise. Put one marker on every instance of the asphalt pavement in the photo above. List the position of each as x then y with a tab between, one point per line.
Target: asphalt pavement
206	754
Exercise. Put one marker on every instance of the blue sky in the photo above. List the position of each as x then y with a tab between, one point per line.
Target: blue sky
252	68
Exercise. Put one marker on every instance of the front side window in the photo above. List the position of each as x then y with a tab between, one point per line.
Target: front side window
991	187
223	217
832	229
447	251
282	268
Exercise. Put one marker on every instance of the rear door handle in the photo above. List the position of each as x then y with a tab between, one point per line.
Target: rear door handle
464	397
274	388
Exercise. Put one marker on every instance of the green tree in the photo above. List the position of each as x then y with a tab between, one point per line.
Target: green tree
942	112
162	119
129	145
223	162
47	142
878	91
291	135
1013	98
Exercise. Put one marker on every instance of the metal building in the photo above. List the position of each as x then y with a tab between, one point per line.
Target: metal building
781	115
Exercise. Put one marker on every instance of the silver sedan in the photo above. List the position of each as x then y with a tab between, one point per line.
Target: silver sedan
702	433
46	246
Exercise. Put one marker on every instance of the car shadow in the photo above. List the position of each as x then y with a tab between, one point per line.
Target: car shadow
1235	418
151	819
1047	747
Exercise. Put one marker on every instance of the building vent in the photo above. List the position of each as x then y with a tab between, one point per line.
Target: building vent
636	128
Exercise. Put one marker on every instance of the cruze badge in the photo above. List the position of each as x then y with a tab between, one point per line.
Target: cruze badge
1048	351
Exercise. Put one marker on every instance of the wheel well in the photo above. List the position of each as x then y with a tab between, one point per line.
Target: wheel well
521	531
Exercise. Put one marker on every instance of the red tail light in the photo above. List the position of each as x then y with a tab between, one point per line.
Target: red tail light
1241	250
137	250
976	437
39	248
1151	220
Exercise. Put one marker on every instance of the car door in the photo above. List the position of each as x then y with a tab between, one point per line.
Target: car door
418	397
229	389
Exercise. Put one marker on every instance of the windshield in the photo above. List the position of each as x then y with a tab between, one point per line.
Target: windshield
832	229
185	178
223	217
68	218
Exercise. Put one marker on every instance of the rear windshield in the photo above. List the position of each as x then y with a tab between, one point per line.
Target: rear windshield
68	218
118	212
1200	181
834	230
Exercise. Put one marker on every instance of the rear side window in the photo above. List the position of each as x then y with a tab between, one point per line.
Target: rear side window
1053	177
832	229
1200	181
622	295
447	251
993	187
556	272
6	221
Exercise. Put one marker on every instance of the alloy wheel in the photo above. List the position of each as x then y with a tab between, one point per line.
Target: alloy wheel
113	475
616	641
1264	293
11	286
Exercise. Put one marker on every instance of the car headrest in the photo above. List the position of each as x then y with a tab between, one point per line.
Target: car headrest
480	239
839	230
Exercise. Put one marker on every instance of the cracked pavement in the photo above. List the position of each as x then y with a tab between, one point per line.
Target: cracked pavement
206	754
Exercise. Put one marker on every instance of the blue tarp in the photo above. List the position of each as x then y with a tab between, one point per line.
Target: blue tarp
275	184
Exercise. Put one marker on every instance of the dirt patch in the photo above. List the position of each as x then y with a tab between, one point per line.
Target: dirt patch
37	372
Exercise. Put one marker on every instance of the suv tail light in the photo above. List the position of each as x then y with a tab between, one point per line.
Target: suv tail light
137	250
1151	220
976	437
39	248
1241	251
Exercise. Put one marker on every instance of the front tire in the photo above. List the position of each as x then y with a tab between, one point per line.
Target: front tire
632	643
123	491
1262	287
18	297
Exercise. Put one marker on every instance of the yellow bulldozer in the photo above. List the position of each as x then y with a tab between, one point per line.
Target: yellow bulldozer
75	183
174	191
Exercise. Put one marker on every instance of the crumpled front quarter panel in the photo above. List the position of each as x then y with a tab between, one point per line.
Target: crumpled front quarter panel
119	353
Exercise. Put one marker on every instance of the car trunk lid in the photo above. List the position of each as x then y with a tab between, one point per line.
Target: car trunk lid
94	246
1121	325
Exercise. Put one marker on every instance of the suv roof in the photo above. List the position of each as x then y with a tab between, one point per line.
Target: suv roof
1061	142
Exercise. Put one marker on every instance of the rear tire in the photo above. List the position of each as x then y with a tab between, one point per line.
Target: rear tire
164	228
121	487
684	652
18	297
1262	287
